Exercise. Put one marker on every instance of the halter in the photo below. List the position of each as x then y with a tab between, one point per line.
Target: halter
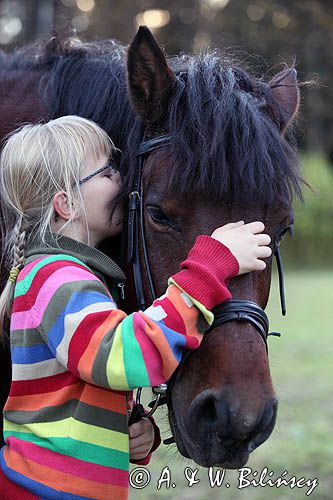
231	310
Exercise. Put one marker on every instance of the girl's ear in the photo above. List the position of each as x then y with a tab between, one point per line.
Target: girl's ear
61	205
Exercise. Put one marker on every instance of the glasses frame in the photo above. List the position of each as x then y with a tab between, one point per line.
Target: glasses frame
98	171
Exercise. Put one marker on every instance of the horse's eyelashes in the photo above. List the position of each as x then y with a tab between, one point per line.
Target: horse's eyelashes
159	217
289	229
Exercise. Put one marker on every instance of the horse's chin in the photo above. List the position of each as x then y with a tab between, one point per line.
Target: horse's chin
212	455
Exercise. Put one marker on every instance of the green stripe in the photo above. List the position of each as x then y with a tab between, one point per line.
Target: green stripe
23	286
79	431
135	367
76	449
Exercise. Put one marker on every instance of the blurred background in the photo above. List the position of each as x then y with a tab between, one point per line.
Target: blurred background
264	34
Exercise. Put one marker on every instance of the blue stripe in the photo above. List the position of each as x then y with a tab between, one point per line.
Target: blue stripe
77	302
32	354
175	340
39	489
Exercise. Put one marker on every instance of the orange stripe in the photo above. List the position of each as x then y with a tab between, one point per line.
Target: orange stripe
189	314
38	401
156	335
88	358
105	398
57	480
89	394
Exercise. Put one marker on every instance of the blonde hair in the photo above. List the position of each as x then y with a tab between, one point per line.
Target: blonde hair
36	162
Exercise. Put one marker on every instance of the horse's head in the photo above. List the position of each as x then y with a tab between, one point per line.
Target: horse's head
228	160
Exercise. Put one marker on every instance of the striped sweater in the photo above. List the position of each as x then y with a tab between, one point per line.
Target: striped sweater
76	356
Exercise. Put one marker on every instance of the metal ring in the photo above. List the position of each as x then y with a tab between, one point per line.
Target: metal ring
146	415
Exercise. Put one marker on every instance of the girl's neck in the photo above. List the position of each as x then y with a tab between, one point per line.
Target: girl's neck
74	232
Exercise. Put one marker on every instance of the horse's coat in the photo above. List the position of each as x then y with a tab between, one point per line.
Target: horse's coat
229	160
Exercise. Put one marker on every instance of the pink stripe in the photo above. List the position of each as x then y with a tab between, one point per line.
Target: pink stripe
150	354
23	319
69	465
26	270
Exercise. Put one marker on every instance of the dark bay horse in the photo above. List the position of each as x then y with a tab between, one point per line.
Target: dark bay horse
228	159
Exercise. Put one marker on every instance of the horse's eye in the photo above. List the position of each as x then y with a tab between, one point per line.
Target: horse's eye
159	217
288	229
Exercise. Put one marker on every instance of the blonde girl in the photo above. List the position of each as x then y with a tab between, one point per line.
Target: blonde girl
76	357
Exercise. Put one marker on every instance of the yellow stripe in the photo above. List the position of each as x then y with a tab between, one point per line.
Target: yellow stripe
115	369
78	430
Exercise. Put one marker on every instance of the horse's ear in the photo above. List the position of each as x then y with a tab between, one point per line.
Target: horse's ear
150	79
286	93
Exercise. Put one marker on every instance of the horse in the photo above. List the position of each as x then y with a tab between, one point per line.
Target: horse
222	153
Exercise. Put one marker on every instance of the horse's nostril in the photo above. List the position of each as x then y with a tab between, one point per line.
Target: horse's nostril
207	410
205	415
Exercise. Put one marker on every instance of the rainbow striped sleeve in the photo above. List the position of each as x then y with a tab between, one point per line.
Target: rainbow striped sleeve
58	298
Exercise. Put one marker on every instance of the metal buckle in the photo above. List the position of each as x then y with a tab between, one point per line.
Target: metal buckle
133	200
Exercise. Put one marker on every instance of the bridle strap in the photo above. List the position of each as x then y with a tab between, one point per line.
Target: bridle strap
146	147
232	310
242	311
136	215
281	280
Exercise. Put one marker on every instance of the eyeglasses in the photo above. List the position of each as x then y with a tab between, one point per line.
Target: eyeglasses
113	169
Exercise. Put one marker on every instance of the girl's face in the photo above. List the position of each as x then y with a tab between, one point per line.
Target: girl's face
98	194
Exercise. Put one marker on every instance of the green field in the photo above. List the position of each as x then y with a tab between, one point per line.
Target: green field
302	442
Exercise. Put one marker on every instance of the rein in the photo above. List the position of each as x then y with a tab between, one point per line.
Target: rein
231	310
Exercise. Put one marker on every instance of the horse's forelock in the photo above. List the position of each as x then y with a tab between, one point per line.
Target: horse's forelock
226	143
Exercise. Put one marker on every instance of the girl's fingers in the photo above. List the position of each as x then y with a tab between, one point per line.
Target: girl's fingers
140	427
231	225
264	252
141	448
263	239
261	265
255	227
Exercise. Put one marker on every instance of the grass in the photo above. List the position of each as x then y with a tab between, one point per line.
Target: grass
302	442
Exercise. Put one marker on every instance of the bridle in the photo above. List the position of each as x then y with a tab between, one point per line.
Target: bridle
231	310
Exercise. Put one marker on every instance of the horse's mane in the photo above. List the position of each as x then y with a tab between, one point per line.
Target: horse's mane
86	79
224	123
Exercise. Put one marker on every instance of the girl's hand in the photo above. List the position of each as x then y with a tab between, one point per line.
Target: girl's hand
247	243
141	439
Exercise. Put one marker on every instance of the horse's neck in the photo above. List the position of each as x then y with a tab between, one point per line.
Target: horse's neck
20	101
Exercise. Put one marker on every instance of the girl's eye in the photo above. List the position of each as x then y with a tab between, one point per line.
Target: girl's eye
110	172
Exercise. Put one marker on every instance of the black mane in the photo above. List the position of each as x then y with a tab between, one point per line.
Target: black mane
224	123
226	143
90	81
226	138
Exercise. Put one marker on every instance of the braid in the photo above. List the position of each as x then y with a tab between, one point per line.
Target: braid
19	245
18	251
6	298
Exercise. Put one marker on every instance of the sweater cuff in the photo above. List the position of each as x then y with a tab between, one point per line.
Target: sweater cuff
205	273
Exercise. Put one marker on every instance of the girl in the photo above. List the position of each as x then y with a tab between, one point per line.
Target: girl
76	357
